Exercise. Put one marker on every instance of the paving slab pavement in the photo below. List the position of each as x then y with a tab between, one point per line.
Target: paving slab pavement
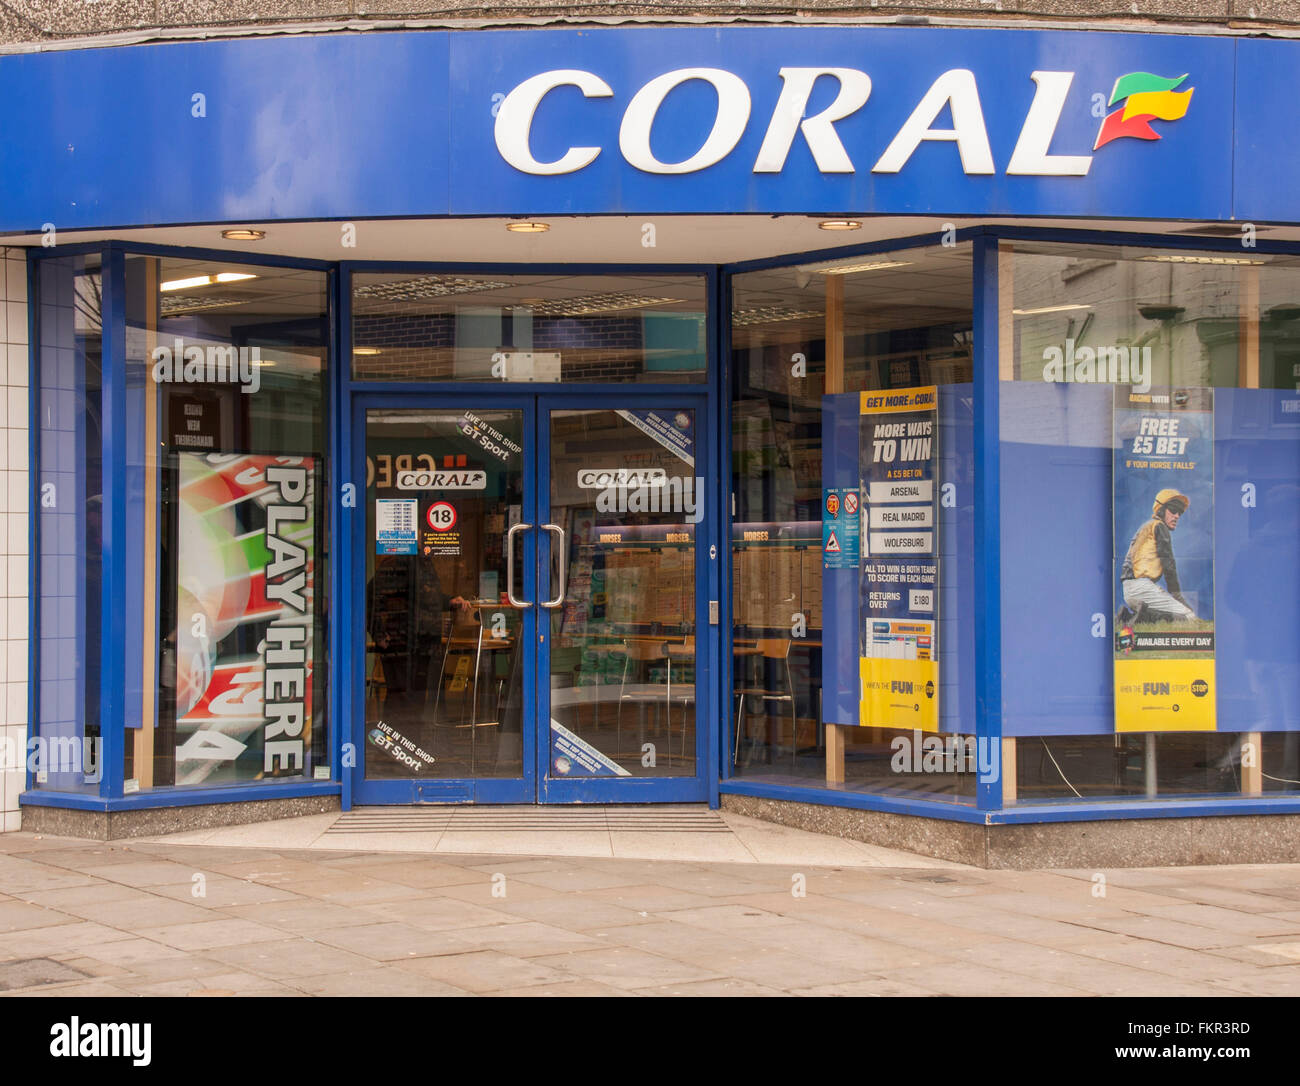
221	913
661	832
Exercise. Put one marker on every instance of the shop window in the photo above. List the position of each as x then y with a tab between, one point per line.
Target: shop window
1150	521
430	326
814	606
66	754
226	474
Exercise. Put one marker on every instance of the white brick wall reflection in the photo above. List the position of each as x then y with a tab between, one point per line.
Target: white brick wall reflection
13	526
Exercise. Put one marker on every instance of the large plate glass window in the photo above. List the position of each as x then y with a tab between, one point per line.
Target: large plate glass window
1150	425
625	503
67	383
443	645
853	530
463	326
227	433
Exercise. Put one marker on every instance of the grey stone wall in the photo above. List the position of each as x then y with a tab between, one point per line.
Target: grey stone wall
32	23
1137	842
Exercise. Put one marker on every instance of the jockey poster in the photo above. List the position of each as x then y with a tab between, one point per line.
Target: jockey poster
1164	560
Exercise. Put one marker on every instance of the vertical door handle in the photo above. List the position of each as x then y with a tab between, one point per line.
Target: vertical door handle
564	566
510	565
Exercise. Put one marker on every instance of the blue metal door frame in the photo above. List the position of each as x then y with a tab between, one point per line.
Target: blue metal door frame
535	784
521	789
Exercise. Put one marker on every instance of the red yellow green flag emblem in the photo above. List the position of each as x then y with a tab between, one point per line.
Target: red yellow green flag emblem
1146	98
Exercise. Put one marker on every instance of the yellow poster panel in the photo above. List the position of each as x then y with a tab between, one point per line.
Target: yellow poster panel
1164	695
899	693
922	398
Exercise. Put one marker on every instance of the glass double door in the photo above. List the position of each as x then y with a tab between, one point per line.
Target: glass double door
531	600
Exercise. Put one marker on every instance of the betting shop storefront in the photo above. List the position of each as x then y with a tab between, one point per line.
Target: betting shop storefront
831	423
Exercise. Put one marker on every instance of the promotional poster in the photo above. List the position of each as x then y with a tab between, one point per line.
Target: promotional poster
899	579
396	525
573	756
245	599
1164	560
675	434
841	528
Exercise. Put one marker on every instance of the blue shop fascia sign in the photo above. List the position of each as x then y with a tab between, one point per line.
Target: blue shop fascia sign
885	120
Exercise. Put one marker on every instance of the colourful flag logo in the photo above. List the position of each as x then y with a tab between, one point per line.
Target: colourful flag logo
1150	98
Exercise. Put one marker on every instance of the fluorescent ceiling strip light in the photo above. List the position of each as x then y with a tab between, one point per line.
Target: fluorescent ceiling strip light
1047	309
206	280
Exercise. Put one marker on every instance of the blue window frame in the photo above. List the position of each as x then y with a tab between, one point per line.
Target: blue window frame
990	806
345	392
115	578
354	394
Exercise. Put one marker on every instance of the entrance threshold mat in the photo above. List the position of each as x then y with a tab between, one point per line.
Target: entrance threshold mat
523	819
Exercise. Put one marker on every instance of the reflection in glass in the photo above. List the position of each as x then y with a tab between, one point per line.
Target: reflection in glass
626	502
443	697
432	326
801	337
1087	330
227	525
67	384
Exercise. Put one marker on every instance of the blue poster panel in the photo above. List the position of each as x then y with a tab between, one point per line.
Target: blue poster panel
396	525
